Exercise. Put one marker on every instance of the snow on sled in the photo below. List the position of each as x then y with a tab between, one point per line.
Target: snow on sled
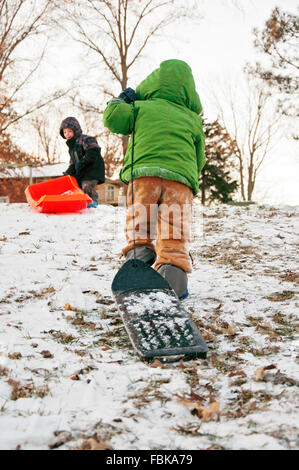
57	195
157	323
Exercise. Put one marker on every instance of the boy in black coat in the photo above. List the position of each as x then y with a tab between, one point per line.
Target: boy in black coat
86	162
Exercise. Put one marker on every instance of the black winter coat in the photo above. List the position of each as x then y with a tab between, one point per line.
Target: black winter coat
84	149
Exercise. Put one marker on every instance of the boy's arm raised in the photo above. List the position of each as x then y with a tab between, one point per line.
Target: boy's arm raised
119	114
119	117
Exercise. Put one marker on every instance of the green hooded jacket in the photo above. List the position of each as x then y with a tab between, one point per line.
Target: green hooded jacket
169	140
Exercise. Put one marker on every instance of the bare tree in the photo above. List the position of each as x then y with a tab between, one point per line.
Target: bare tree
21	22
47	138
10	152
112	152
118	32
278	42
252	122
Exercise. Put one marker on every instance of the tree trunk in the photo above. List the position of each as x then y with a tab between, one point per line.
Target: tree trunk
251	183
241	173
125	141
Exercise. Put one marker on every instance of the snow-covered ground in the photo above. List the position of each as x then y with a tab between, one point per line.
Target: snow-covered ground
69	378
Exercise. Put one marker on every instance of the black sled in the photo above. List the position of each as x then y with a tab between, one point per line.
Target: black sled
156	322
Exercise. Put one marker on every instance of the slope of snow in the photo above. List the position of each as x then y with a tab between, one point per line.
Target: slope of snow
68	372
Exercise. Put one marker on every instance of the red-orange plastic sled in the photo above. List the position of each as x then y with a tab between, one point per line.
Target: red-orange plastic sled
57	195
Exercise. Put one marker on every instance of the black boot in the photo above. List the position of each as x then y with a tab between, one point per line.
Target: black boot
177	279
143	253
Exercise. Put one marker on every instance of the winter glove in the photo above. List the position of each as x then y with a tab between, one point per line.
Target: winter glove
70	171
128	95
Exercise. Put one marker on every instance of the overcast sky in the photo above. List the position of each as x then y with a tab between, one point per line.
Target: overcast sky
217	50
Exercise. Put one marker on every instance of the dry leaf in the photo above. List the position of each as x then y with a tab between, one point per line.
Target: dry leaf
207	336
48	290
281	296
191	403
61	438
92	444
209	411
13	383
219	260
205	412
196	397
229	331
280	378
75	377
260	372
182	365
16	355
252	406
69	307
239	373
46	354
156	363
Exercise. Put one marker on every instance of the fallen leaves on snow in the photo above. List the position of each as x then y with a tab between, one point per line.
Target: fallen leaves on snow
239	373
281	296
47	354
69	307
260	372
262	375
61	437
157	363
75	377
94	444
205	412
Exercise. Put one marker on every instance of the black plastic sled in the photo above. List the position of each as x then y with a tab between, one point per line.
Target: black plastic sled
156	322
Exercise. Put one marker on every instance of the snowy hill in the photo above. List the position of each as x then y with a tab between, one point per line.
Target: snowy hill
69	378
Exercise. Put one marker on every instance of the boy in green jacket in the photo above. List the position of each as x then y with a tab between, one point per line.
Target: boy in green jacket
168	158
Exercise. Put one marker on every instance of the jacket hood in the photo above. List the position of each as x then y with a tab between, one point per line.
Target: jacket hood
172	81
71	123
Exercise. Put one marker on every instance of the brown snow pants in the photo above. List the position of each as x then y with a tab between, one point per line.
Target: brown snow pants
162	212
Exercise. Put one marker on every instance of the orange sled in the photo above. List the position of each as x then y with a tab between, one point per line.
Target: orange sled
57	195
